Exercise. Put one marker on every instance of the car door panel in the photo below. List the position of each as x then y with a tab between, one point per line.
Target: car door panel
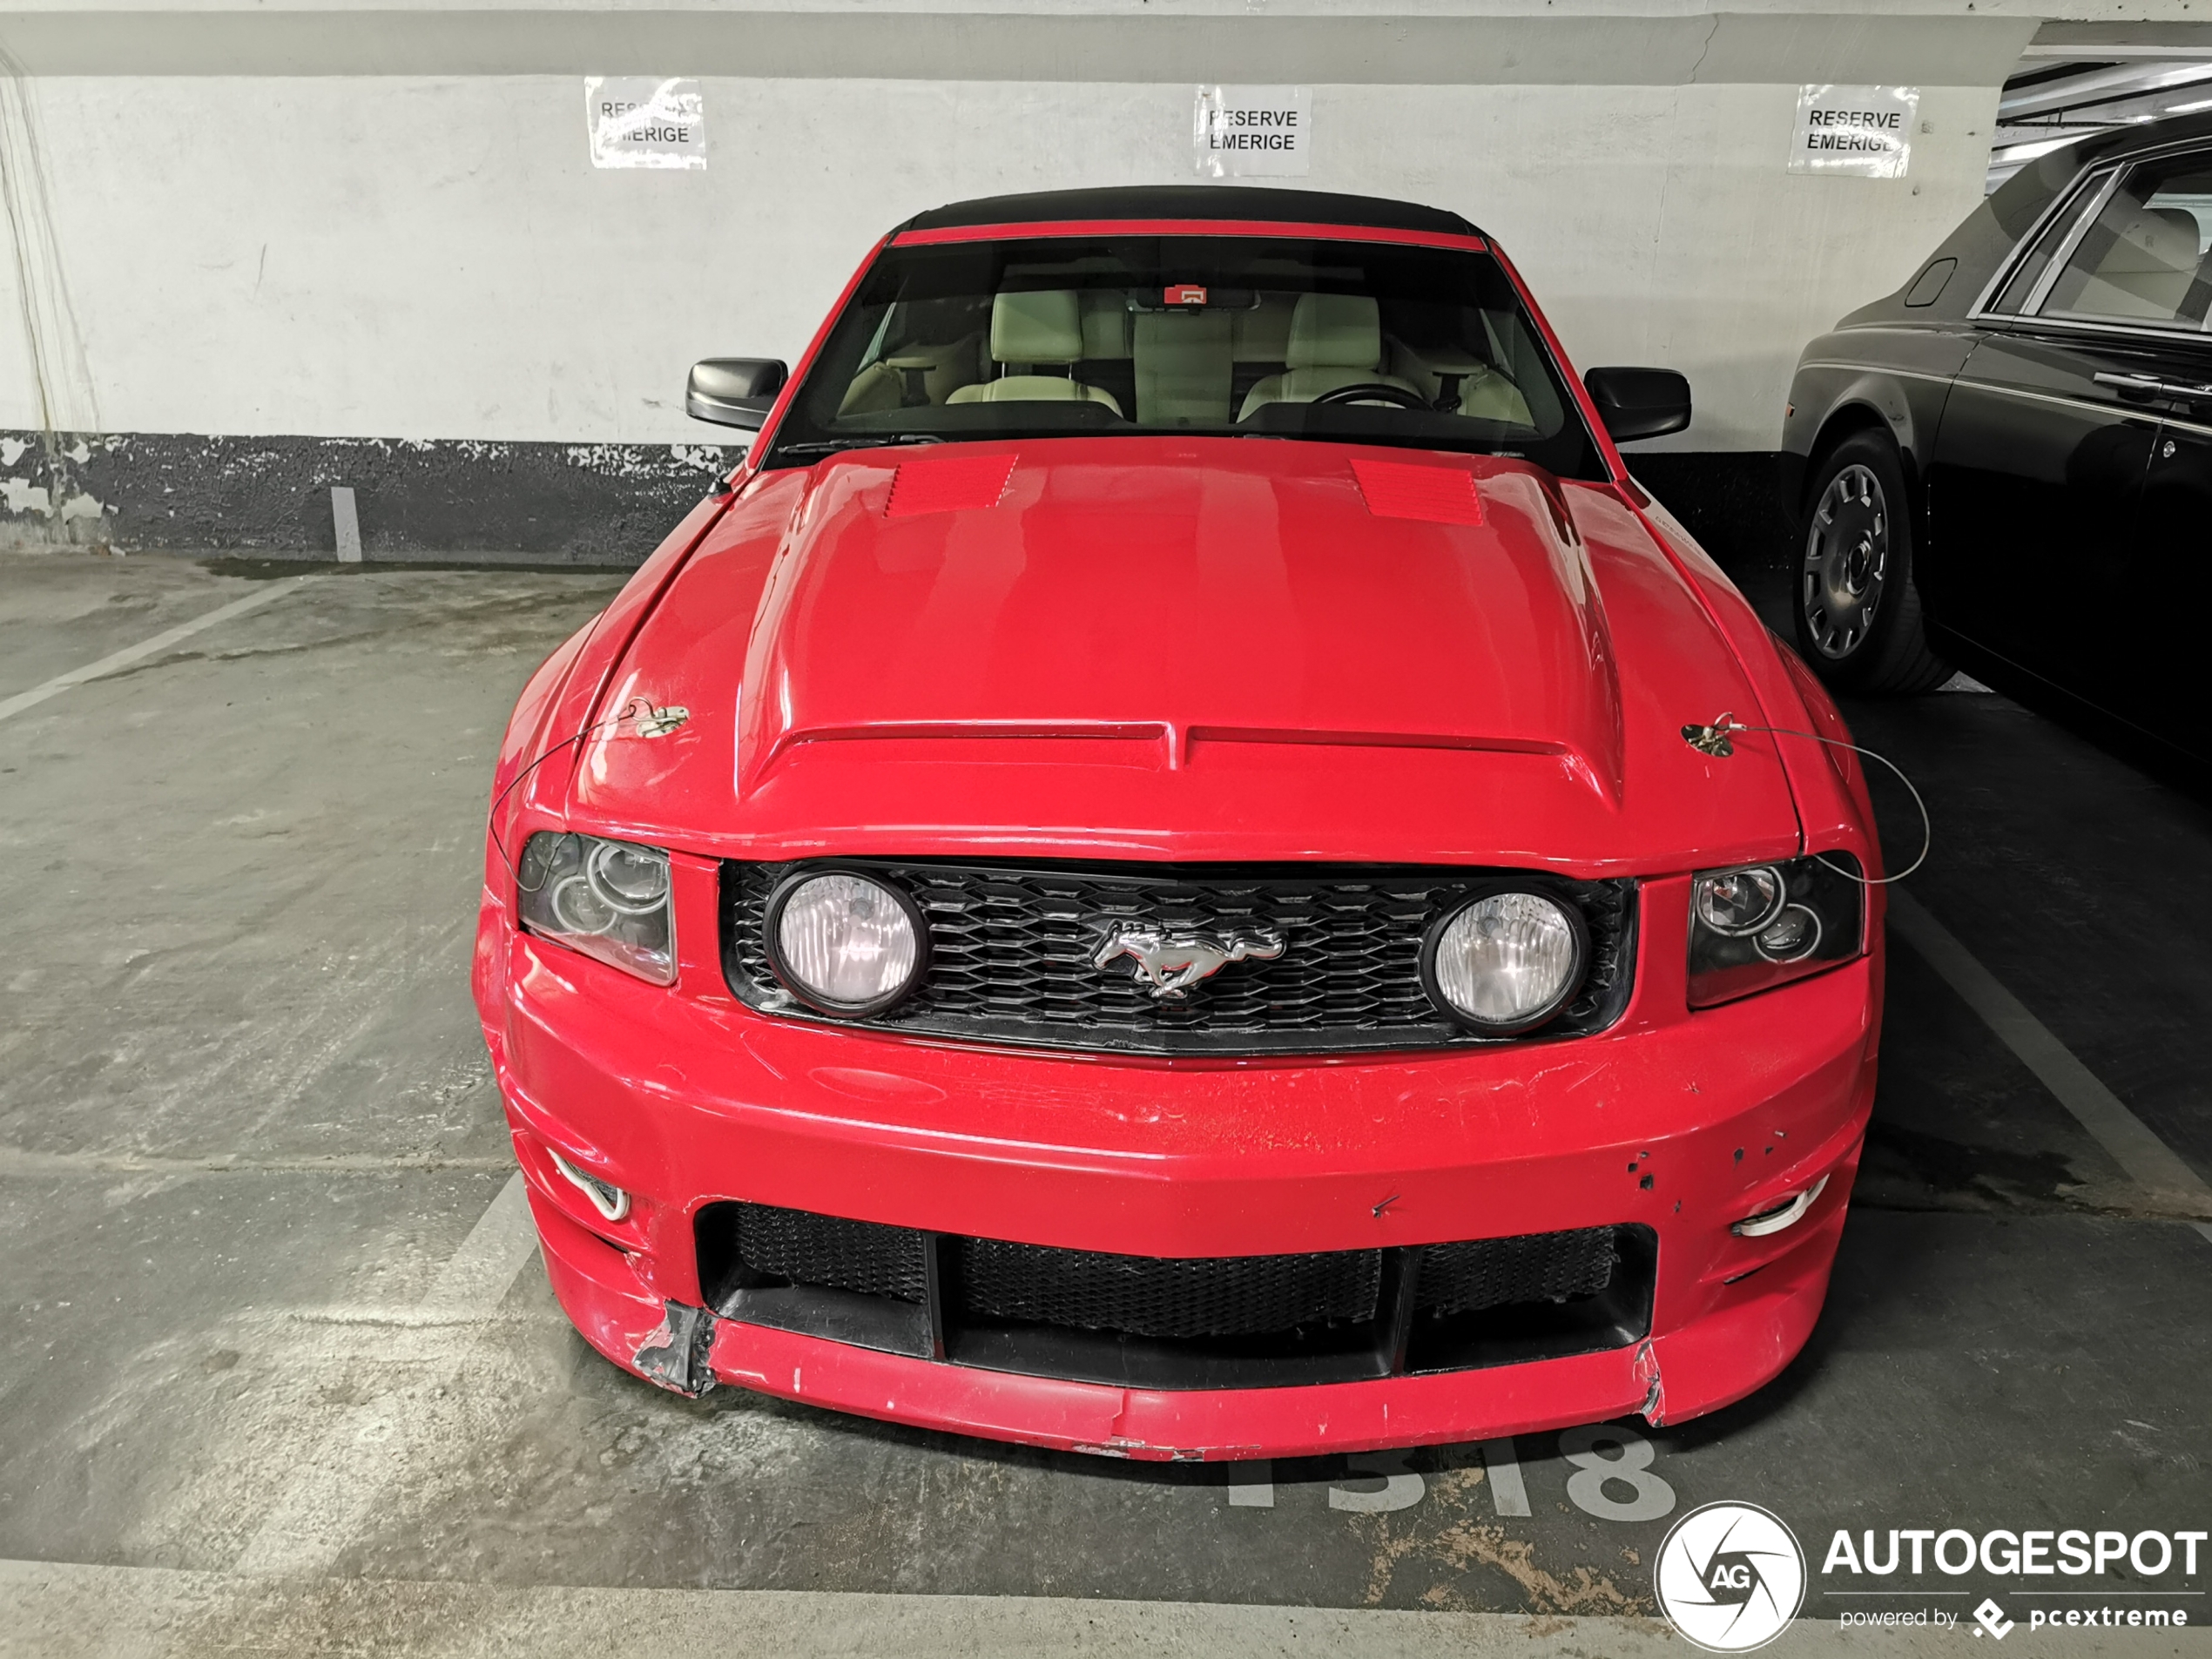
2061	495
2037	478
2171	560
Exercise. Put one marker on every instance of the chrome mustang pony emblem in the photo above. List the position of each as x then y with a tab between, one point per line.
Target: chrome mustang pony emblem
1173	962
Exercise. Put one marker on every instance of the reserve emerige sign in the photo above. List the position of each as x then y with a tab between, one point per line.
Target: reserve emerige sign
1860	131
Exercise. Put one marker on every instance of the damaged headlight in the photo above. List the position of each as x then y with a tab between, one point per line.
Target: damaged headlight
606	899
1761	925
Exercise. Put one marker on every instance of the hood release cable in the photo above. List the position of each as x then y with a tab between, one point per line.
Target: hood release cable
1713	740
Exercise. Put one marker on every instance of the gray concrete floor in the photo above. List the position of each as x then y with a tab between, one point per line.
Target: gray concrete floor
245	1122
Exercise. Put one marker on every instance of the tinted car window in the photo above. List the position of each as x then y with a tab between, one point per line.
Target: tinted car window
2143	261
1234	336
2021	285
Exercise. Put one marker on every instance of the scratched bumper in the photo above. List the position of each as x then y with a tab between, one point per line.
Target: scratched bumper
1681	1124
1739	1345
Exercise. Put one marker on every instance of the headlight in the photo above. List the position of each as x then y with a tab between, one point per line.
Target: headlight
606	899
1738	903
1507	961
1765	924
844	943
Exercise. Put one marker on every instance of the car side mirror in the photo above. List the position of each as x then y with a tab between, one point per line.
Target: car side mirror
1639	402
734	391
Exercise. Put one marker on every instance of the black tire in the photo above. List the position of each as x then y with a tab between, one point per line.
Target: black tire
1857	608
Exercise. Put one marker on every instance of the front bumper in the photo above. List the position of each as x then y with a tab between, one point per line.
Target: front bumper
1683	1123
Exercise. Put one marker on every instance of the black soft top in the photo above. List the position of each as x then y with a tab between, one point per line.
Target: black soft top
1195	201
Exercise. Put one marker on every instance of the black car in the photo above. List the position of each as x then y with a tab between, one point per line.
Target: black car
2007	464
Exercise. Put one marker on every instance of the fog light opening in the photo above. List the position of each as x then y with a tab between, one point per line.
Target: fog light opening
607	1199
1785	1215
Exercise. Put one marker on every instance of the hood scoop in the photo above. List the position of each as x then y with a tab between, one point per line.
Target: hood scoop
1172	610
1433	494
949	485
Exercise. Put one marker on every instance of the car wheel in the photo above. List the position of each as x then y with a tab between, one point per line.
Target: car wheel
1858	611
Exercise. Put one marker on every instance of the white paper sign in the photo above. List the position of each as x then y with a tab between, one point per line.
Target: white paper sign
1860	131
1236	130
644	121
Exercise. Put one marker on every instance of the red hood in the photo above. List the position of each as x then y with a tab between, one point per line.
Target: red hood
1201	649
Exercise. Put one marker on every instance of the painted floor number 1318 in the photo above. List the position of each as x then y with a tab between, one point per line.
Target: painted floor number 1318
1613	1478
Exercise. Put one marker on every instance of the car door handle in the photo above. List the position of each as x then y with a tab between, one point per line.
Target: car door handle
2151	386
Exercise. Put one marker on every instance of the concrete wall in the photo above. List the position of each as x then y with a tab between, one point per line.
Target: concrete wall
317	220
437	258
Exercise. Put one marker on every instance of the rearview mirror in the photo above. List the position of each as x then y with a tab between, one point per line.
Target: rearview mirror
734	391
1639	402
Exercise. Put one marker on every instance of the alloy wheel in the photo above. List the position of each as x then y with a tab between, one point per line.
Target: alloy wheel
1847	553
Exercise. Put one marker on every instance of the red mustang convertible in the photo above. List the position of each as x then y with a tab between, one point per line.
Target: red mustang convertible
1180	864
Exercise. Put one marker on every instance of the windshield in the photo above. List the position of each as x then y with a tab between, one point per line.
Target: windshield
1236	336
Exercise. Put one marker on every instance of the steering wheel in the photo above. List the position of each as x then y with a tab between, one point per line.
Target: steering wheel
1374	392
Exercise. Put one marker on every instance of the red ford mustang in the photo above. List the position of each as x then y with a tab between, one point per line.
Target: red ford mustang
1161	872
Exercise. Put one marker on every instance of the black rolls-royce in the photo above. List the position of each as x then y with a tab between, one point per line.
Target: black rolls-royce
2008	463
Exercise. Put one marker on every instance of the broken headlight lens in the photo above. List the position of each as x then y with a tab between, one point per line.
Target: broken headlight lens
607	899
1764	925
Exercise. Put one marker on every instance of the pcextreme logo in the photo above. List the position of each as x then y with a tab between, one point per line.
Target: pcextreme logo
1730	1577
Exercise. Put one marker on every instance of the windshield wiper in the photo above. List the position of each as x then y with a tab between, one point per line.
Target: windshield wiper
831	446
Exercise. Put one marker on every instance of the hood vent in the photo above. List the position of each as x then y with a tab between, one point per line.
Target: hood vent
953	484
1432	494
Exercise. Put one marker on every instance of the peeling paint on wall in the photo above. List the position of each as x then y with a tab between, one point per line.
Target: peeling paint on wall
42	501
604	504
53	343
549	503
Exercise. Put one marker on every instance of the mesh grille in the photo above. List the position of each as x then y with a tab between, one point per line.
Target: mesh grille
1012	949
1167	1297
862	1256
1157	1296
1534	1267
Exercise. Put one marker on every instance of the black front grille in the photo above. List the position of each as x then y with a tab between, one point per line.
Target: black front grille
1174	1322
829	1251
1152	1296
1535	1267
1012	951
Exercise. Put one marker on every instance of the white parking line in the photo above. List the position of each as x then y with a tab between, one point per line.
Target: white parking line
146	648
329	1498
477	1277
2148	1161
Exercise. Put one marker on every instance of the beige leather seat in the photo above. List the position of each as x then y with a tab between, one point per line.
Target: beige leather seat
1335	340
1105	314
1482	393
917	375
1183	370
1035	331
2147	273
1263	335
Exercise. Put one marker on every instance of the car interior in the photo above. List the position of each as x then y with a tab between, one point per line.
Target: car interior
1181	356
2145	260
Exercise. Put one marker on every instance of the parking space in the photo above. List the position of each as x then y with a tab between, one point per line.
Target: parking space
250	1152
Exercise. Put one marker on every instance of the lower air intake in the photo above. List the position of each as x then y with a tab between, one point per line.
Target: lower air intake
1179	1322
1496	1272
1150	1296
828	1251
